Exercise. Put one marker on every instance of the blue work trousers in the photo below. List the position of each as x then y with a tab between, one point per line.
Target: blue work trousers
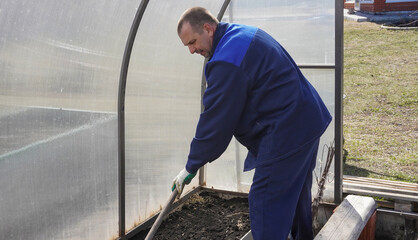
280	197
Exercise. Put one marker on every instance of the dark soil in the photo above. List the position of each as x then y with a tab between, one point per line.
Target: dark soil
205	215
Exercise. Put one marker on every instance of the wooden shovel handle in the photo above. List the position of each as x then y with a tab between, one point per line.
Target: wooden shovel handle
160	217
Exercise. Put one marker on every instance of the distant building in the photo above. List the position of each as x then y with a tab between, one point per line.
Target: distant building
379	6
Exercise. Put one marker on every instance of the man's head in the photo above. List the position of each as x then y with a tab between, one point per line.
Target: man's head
196	28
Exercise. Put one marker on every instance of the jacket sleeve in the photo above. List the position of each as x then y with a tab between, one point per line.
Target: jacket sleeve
224	101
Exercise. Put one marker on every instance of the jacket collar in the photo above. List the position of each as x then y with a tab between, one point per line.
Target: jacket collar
219	33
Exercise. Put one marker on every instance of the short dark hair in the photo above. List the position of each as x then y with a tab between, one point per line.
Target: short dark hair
196	17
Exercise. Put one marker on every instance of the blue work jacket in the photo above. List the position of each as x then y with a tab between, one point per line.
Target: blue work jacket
255	92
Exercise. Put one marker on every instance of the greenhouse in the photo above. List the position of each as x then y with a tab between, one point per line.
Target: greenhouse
100	101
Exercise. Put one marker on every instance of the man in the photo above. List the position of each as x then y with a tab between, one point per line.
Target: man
256	93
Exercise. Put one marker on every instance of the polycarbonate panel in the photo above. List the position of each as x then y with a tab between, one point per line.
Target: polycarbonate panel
305	28
59	73
162	108
227	172
324	83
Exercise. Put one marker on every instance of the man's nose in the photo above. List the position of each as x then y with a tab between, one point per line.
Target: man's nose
192	49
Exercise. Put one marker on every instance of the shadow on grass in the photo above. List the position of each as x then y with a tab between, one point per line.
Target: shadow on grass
353	170
363	172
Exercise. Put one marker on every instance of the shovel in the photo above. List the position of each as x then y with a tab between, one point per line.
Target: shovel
160	217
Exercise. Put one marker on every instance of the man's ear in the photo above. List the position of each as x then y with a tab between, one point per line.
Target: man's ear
209	28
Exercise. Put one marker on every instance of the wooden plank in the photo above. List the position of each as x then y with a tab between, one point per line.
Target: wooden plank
406	185
385	187
380	194
383	183
369	230
349	219
396	188
381	188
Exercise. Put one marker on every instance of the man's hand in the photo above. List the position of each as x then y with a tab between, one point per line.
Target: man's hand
183	178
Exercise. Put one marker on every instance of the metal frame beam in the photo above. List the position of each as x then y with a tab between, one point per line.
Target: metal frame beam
316	66
339	80
121	113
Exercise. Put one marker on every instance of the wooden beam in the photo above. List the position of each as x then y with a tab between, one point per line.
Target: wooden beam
381	182
381	188
349	219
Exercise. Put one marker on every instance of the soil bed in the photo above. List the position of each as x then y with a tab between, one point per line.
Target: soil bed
205	215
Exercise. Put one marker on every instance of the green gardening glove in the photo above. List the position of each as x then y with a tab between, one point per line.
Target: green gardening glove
183	178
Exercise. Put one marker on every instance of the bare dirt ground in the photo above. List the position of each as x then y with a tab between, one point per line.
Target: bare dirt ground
205	216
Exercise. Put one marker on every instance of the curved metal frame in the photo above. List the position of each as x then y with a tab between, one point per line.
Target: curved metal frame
121	107
121	113
122	90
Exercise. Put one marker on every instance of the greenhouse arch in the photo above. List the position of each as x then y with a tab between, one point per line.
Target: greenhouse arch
100	99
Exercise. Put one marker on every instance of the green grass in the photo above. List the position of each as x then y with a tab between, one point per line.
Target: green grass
380	107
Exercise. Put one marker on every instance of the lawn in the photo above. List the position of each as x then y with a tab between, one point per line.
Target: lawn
380	104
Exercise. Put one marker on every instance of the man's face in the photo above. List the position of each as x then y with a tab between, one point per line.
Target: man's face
198	43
